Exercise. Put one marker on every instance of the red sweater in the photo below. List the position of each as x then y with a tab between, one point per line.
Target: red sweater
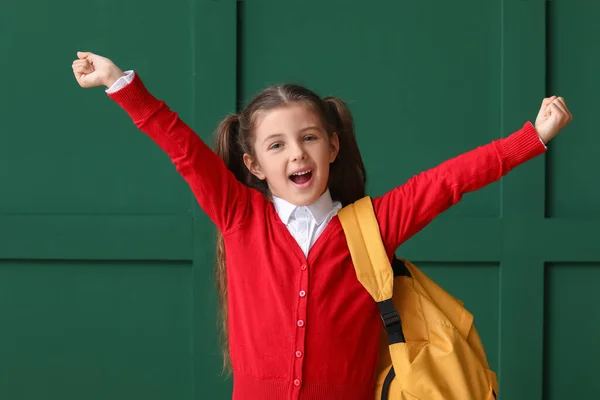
321	344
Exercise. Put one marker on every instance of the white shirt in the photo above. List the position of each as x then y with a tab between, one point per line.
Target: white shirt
305	223
121	82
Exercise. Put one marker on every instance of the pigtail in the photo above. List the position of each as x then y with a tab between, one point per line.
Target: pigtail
232	141
227	147
347	177
221	286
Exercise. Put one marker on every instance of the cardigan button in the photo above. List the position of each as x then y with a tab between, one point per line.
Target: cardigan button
300	323
303	267
297	382
302	293
298	354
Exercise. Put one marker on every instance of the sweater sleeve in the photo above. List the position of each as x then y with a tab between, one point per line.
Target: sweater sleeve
408	208
213	184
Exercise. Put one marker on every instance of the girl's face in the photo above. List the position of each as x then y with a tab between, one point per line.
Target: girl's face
292	152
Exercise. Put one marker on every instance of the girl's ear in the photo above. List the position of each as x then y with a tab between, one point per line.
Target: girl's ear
334	147
253	166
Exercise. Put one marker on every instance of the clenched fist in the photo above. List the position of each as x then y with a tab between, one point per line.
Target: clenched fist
92	70
553	116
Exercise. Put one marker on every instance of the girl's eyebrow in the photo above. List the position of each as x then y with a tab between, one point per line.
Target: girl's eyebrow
311	127
273	136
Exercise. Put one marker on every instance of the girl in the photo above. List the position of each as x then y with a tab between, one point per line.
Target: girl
299	324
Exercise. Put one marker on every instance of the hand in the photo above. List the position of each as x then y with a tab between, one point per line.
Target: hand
92	70
553	116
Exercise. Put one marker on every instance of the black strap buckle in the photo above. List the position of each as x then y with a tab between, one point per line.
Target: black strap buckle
391	321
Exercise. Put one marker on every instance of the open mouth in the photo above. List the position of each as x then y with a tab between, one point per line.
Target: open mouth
302	177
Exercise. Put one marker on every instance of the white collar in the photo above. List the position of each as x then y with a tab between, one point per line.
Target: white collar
319	209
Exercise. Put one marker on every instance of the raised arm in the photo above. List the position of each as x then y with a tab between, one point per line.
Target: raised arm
408	208
224	199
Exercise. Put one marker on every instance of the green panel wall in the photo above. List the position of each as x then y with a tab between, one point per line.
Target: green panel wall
106	286
573	59
571	308
572	270
106	282
95	330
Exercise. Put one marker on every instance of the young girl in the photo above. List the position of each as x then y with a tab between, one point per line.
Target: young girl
299	324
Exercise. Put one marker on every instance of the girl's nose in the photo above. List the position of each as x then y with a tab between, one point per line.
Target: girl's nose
298	153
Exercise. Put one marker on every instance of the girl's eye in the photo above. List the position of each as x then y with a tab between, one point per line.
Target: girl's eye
275	146
310	137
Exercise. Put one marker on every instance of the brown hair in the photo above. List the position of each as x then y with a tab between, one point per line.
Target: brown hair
234	137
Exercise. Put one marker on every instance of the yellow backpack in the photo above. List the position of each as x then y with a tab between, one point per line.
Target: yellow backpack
430	349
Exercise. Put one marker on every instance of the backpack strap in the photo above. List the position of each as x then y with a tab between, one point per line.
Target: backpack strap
375	273
373	268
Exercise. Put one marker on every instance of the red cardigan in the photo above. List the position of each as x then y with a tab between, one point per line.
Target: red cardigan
305	328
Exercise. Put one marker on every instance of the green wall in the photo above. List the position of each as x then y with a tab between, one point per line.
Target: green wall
106	282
